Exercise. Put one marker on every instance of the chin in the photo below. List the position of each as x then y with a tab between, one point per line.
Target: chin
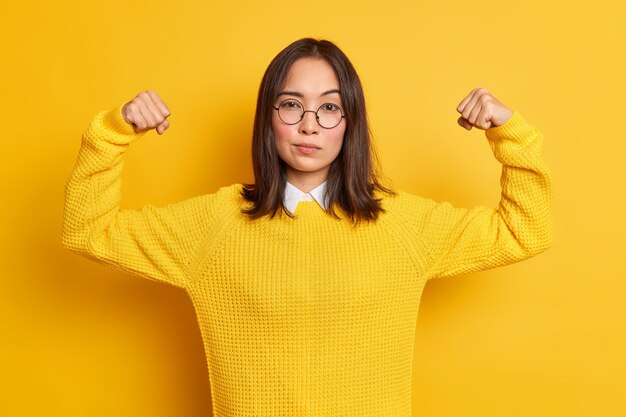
307	169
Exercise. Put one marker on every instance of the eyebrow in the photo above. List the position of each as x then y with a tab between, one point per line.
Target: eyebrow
297	94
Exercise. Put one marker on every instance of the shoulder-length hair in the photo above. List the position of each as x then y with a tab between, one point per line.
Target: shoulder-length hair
352	178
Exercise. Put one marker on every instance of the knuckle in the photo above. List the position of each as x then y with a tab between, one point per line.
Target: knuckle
133	108
136	103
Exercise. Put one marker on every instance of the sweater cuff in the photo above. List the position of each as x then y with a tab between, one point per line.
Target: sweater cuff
115	128
515	129
513	139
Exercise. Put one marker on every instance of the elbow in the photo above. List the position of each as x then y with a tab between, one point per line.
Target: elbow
528	242
542	247
65	236
539	243
77	245
68	238
73	240
68	241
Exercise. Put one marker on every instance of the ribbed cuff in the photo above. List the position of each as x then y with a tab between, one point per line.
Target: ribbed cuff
516	128
514	141
116	128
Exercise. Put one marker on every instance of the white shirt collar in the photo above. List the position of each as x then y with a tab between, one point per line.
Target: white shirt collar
293	196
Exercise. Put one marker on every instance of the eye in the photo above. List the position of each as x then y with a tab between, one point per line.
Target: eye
329	108
290	105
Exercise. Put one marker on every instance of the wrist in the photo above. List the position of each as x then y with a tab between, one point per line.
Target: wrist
122	131
503	117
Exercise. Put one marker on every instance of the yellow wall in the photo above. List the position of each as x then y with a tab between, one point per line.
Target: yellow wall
546	337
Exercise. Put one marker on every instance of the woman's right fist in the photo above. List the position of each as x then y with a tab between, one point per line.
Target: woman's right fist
146	111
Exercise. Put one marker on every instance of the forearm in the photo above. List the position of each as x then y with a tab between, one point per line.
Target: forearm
467	240
526	198
92	192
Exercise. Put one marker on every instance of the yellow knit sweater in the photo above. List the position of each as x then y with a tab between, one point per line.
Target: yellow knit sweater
305	316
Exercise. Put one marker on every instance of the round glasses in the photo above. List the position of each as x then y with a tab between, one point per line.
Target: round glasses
291	111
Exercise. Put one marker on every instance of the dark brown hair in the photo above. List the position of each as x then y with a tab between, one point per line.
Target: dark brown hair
352	178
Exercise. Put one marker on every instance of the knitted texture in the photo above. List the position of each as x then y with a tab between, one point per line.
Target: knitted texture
305	316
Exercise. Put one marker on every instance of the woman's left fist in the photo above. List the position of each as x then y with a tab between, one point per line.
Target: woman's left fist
482	110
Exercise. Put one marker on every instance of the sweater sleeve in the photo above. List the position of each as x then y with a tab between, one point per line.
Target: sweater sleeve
154	242
460	240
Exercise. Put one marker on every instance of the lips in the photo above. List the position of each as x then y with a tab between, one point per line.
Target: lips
307	145
307	148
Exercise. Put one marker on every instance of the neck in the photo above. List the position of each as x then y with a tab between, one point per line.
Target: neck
306	181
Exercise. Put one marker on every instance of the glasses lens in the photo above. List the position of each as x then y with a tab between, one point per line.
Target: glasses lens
290	111
329	115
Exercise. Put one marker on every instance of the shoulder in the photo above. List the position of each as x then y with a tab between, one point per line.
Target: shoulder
410	209
224	202
230	192
403	201
229	197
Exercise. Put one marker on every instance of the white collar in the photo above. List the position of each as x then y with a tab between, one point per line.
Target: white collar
293	196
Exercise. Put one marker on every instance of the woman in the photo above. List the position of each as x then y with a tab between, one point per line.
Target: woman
307	283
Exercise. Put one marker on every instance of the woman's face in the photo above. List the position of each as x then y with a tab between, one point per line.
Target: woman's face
307	148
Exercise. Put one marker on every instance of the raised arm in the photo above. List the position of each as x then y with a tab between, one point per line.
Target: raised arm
459	240
154	242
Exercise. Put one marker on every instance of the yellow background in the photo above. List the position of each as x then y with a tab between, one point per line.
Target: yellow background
546	337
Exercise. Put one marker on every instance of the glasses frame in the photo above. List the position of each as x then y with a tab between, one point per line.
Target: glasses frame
317	118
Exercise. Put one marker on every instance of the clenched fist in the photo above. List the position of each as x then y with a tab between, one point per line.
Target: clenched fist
482	110
146	111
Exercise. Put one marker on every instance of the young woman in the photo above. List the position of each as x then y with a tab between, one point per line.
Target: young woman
307	282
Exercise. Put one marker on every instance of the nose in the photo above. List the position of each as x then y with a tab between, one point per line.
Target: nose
308	124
